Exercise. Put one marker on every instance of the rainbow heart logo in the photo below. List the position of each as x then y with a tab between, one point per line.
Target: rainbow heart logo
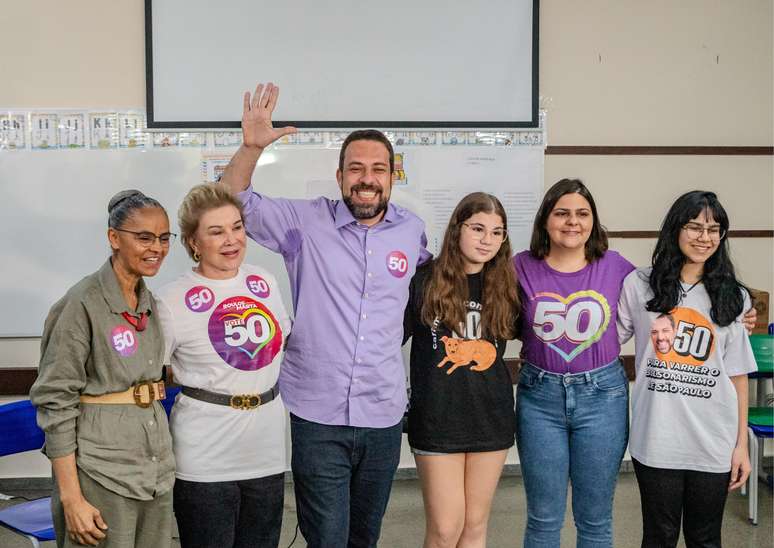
587	296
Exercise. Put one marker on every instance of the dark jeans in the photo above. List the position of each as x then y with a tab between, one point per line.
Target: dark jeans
342	476
667	495
226	514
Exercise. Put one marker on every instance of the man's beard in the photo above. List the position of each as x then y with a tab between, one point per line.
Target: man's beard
366	211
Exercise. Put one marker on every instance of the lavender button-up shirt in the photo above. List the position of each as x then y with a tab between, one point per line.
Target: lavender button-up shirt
343	364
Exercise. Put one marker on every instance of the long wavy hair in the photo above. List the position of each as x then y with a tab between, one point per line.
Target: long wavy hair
719	279
447	288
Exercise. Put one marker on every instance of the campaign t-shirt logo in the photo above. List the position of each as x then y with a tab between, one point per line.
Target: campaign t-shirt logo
199	299
682	341
397	264
569	325
683	336
244	333
123	340
257	286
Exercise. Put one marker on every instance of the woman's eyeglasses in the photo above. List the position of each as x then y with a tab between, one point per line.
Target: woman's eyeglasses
479	231
146	239
695	231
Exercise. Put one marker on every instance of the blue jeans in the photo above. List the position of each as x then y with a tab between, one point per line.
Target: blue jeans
226	514
342	477
571	427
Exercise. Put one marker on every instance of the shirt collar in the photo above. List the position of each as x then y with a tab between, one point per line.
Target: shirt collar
343	216
113	295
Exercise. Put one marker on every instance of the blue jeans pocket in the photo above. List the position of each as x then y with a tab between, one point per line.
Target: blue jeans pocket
614	384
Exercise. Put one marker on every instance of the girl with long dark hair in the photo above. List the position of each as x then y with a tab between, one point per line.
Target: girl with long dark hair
689	401
572	397
461	312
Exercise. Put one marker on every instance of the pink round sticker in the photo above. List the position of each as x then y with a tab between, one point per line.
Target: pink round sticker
123	340
257	286
397	264
199	299
244	333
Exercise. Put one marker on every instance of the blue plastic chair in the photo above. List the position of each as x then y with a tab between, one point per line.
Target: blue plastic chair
20	433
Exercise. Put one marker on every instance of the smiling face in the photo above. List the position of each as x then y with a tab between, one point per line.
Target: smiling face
220	242
699	238
481	236
662	334
570	222
131	254
365	180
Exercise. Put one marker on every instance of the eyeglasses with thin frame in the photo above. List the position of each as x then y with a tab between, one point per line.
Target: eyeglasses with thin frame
479	231
695	231
146	239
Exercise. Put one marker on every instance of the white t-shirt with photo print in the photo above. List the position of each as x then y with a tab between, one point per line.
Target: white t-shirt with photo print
225	336
684	405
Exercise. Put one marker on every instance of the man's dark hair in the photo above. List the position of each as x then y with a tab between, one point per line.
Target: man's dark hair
367	135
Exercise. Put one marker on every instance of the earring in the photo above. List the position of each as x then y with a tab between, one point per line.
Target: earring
196	256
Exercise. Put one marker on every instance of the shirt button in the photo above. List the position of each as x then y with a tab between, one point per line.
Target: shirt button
151	423
359	360
154	458
365	295
370	251
362	338
370	275
150	362
364	316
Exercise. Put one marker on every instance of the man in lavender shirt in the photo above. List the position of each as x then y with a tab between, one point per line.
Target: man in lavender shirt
342	378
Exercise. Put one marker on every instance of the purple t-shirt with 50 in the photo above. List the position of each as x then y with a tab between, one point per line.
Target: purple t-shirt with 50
568	319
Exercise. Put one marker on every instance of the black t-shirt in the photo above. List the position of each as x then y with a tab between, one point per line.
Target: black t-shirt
466	404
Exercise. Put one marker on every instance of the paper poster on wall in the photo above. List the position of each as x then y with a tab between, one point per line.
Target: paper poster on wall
131	130
72	130
103	128
12	131
44	130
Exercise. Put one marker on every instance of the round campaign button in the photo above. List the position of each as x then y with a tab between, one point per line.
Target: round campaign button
397	264
199	299
257	286
123	340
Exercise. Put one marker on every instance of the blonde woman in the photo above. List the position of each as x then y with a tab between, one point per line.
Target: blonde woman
224	324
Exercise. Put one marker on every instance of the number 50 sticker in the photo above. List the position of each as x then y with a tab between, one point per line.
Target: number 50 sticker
199	299
123	340
397	264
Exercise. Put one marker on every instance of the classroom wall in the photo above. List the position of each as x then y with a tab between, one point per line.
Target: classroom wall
612	72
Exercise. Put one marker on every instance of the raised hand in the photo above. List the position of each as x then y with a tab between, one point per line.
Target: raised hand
257	129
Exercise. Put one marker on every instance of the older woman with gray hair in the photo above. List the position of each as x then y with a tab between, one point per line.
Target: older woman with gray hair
98	390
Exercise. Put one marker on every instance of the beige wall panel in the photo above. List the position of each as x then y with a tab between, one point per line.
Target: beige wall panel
81	54
635	192
663	72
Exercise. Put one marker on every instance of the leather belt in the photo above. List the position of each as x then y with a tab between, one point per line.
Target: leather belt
243	402
142	394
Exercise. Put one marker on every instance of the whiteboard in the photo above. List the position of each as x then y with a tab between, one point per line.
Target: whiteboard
53	207
53	221
344	63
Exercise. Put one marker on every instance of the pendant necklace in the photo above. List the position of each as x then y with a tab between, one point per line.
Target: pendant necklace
686	291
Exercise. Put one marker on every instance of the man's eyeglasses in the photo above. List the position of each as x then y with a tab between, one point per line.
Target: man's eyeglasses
146	239
479	231
695	231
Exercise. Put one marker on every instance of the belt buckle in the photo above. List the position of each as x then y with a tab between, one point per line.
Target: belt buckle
137	394
245	402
